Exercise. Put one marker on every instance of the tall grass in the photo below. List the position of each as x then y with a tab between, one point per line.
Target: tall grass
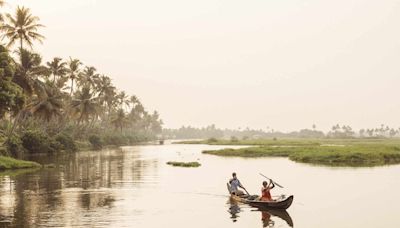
348	155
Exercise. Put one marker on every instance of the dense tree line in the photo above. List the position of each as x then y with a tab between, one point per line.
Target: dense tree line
60	96
337	131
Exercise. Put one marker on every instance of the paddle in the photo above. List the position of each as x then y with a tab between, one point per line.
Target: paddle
246	191
271	180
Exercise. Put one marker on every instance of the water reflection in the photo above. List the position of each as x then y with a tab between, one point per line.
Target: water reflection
234	210
267	215
133	187
78	189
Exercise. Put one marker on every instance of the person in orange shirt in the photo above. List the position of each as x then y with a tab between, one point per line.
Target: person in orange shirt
265	191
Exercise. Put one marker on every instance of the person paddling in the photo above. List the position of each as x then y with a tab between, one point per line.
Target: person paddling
265	191
235	185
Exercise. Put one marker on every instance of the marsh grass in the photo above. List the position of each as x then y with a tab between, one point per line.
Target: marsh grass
184	164
369	154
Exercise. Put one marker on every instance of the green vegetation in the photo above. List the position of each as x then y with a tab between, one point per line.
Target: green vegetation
184	164
11	163
352	154
96	141
337	132
62	104
269	142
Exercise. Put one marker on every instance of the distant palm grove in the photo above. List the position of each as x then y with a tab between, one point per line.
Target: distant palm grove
60	104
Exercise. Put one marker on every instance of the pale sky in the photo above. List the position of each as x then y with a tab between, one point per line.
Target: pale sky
285	64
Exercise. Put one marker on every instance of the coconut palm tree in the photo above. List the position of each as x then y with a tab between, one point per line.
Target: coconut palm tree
22	27
2	3
106	92
84	105
122	99
120	119
133	100
48	104
89	77
28	72
57	68
73	71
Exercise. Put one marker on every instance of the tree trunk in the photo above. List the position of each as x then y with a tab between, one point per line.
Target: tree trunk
72	86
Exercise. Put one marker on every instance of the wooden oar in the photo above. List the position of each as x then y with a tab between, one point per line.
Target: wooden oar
246	191
272	181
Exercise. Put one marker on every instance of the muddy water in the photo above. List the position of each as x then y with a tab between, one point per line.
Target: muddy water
133	187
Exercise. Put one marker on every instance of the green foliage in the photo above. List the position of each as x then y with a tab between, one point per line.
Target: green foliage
14	146
96	141
234	139
11	163
120	139
184	164
35	141
212	140
270	142
11	95
67	142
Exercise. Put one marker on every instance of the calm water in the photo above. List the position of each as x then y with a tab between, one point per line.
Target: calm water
133	187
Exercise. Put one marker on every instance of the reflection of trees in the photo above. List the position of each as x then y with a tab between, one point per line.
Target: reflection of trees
79	185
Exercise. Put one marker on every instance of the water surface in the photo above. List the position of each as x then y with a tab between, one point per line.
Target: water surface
133	187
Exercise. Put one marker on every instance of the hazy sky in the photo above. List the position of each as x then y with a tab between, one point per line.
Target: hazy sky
281	63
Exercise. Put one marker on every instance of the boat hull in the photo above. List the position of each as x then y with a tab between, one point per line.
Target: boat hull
276	204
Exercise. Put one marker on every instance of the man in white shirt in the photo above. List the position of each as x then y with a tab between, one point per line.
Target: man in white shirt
235	185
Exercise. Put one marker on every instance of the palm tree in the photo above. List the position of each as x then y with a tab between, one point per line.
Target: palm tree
28	72
133	100
57	68
48	104
22	27
2	3
120	119
73	71
89	77
106	92
84	105
122	99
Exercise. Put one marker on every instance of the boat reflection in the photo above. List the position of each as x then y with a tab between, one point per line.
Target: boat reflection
267	215
234	210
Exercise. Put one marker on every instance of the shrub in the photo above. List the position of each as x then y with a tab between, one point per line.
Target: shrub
234	139
96	141
37	142
67	142
14	146
212	140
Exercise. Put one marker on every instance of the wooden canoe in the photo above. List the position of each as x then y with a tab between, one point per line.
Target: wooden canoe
283	203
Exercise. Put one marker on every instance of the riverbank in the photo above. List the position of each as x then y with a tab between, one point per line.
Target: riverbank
329	152
8	163
38	143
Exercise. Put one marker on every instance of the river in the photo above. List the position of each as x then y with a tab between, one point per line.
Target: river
134	187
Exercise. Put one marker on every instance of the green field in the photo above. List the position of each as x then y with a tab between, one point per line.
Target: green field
330	152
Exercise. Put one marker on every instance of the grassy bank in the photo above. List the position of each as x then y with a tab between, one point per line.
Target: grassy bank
326	152
11	163
184	164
